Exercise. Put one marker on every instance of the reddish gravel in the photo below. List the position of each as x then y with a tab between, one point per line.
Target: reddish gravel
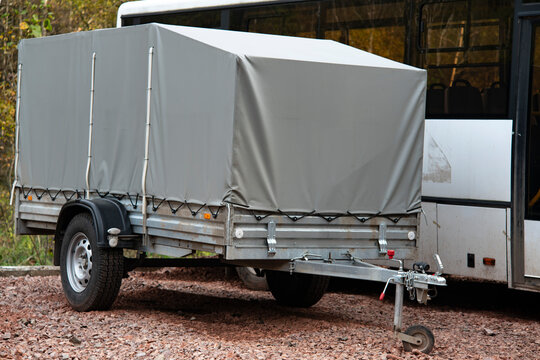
200	314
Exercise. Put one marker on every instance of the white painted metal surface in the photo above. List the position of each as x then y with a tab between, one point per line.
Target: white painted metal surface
463	230
509	247
427	237
532	248
467	159
161	6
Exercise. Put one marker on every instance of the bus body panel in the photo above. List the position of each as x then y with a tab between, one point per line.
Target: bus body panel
162	6
467	235
460	234
467	159
532	248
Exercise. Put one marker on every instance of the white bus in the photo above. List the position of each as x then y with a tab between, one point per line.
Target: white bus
481	171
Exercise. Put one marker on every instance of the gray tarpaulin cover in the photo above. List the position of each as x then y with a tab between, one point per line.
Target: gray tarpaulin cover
269	122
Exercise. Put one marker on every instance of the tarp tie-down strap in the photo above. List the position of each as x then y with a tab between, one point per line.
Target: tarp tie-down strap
134	204
134	199
175	209
363	219
329	218
73	193
259	217
295	217
154	207
27	193
101	195
194	213
118	196
394	220
53	195
214	213
39	195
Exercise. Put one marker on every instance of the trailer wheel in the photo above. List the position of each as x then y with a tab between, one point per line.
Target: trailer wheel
251	280
296	290
91	276
422	333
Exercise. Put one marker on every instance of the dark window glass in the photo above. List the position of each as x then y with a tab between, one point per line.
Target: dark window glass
465	46
206	19
289	19
376	26
532	179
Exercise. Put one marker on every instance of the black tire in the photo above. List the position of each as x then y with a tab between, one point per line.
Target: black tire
91	276
424	334
250	278
296	290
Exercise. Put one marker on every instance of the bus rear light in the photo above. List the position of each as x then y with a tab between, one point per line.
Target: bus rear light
489	261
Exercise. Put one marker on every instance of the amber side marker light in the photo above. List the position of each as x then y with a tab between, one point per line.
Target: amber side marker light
207	216
489	261
29	197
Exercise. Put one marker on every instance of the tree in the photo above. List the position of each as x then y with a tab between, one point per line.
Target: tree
21	19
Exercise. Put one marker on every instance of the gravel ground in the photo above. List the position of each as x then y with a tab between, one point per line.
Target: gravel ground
202	314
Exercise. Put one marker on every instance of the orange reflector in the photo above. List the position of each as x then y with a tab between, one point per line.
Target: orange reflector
29	197
489	261
207	216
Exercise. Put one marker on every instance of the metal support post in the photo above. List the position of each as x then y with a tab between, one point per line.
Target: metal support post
17	126
398	301
147	146
90	126
398	308
229	226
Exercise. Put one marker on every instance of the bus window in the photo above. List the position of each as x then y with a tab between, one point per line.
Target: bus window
466	51
533	134
288	19
376	26
206	19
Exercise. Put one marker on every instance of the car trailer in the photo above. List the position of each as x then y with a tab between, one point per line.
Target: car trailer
272	152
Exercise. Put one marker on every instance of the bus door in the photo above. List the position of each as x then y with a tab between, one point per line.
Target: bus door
526	206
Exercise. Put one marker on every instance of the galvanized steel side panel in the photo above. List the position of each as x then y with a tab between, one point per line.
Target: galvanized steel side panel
240	236
315	235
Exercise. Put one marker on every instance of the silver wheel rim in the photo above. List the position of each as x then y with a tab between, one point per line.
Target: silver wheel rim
79	262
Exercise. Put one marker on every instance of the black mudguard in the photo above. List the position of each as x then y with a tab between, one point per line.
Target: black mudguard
106	212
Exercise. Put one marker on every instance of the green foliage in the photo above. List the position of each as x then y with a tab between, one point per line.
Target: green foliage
22	19
27	250
22	250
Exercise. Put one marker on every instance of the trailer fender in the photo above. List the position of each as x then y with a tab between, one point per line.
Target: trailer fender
106	213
